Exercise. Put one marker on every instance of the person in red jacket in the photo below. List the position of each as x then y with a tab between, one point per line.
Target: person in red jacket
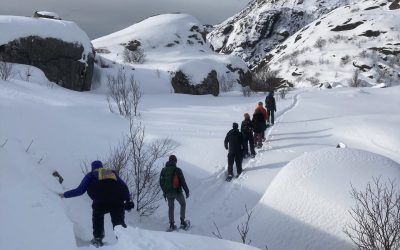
260	117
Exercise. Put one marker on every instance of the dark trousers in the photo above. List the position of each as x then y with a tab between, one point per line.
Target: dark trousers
117	213
237	158
258	139
249	139
271	116
171	206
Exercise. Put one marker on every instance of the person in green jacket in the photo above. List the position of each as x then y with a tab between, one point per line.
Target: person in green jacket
172	182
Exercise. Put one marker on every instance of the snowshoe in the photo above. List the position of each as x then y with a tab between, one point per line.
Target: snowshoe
229	178
185	225
237	176
253	156
97	242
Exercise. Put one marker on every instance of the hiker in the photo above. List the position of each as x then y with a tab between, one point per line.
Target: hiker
270	106
109	193
247	131
234	143
260	116
172	181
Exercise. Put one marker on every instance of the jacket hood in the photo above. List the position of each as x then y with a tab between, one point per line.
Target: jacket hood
96	165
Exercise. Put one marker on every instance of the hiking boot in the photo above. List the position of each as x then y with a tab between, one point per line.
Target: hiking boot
183	224
97	242
172	226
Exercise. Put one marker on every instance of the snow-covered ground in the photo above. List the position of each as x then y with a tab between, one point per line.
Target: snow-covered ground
297	186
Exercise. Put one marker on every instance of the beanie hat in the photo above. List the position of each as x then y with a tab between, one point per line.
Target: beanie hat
172	159
97	164
235	125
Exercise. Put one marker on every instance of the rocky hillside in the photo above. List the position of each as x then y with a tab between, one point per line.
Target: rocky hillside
175	48
264	24
357	45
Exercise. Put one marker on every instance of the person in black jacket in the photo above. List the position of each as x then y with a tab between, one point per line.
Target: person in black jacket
270	105
234	143
248	139
109	193
171	193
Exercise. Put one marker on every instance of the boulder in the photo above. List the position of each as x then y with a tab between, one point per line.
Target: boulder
62	62
210	85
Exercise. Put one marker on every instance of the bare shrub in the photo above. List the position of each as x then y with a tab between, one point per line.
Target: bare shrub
247	91
320	43
345	60
244	228
143	165
282	92
226	82
136	162
125	95
376	216
26	76
355	80
136	56
306	63
266	80
323	61
6	70
103	64
313	80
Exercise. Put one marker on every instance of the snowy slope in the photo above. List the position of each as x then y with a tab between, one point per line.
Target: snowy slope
170	42
362	37
69	127
15	27
263	25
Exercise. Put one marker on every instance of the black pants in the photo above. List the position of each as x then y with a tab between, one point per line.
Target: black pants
248	139
237	158
117	213
271	115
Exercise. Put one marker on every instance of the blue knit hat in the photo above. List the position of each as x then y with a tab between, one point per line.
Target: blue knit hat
97	164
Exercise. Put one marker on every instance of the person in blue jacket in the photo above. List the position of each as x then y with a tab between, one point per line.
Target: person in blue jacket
109	193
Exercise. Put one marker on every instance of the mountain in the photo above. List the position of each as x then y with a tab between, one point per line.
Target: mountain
175	47
264	24
356	45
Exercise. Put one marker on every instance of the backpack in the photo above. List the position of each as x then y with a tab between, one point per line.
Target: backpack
169	180
247	129
269	102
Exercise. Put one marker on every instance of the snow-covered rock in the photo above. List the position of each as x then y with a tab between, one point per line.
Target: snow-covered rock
172	43
360	40
47	14
263	25
306	206
59	48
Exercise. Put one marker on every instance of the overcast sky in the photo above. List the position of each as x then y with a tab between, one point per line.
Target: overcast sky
102	17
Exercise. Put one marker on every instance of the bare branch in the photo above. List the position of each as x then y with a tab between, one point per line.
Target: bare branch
218	233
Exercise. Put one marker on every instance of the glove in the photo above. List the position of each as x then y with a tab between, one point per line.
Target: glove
129	205
165	196
187	195
226	147
61	195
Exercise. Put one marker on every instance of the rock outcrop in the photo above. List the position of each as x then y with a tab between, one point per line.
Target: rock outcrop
209	85
60	61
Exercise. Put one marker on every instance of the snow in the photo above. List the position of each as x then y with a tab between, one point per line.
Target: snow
180	47
15	27
297	186
328	63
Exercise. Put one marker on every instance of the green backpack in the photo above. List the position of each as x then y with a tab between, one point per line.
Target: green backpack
169	180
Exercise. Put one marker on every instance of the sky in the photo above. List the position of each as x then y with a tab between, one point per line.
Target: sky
102	17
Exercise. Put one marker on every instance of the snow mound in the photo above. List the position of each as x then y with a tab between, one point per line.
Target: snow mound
306	205
15	27
170	42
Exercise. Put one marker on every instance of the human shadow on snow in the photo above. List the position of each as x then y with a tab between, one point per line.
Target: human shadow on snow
311	120
304	132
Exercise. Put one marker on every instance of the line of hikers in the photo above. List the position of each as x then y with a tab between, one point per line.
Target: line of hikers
110	194
251	134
